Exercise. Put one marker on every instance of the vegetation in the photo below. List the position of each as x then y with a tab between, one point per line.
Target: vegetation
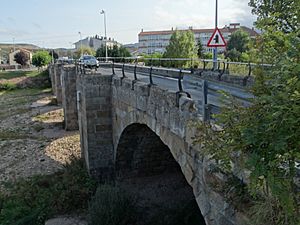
115	51
84	50
6	75
181	45
112	206
200	50
53	53
237	46
22	58
264	138
33	201
41	58
7	86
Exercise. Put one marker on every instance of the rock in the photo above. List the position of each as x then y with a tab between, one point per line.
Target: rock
66	221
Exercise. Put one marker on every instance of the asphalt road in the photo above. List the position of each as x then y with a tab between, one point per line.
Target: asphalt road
165	82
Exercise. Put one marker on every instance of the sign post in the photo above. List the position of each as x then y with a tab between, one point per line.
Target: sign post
216	40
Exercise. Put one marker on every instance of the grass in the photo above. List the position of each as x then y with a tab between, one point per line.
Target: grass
34	200
6	75
112	205
16	102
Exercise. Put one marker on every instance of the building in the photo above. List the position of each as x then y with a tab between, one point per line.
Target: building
156	41
95	42
132	48
11	57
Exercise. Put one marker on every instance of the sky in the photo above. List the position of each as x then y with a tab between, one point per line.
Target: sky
56	23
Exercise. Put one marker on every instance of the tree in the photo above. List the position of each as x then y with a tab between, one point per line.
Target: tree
200	49
181	45
22	58
41	58
84	51
237	44
282	15
54	53
115	51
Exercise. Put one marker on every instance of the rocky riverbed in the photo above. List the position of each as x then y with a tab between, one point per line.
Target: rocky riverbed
32	138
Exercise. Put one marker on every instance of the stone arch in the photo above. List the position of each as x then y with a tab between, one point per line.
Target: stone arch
144	160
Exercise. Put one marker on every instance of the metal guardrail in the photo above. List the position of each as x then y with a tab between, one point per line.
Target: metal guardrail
199	65
211	92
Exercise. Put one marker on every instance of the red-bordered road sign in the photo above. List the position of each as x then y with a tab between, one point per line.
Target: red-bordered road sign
217	39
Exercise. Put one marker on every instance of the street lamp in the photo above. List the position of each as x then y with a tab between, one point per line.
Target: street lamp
80	43
103	12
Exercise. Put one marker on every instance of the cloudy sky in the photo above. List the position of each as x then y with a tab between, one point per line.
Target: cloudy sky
56	23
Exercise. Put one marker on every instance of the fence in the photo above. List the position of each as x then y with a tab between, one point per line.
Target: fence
208	92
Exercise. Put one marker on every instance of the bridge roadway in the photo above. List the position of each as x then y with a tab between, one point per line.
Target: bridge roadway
169	83
191	84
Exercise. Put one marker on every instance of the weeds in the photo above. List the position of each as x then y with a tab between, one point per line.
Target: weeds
33	201
112	206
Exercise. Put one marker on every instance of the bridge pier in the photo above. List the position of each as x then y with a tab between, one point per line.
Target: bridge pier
95	124
57	82
52	77
69	97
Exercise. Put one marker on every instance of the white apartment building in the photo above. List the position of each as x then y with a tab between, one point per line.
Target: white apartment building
156	41
96	42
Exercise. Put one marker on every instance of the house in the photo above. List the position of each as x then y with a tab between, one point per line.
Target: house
156	41
96	42
11	57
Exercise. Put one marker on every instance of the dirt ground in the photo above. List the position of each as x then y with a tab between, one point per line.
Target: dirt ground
32	138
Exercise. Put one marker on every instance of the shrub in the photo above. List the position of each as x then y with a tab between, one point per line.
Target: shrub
7	86
33	201
112	206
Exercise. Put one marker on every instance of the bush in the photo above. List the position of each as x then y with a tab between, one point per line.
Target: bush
33	201
112	206
7	86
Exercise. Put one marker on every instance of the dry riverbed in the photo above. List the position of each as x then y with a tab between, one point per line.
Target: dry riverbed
32	138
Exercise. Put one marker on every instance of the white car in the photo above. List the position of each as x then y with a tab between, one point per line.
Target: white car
89	61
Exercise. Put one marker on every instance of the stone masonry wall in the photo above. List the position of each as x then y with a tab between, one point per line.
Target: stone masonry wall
170	119
95	124
69	97
52	77
57	77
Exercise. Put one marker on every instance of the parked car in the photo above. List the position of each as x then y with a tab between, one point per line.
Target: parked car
89	61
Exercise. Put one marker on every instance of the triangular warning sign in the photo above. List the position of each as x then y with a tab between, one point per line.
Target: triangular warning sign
217	39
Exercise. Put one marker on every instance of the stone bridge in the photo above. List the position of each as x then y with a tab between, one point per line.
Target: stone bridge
133	131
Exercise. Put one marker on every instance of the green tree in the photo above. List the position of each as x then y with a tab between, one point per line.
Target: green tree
54	53
200	49
237	44
22	58
282	15
84	50
114	51
41	58
181	45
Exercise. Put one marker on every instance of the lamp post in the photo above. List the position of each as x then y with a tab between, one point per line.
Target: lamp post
215	50
80	43
103	12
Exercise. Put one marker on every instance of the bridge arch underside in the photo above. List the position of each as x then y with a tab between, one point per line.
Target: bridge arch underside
145	166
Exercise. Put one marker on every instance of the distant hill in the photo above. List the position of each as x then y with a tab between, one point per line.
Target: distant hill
6	48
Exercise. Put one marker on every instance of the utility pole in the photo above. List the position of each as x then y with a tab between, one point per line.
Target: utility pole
215	50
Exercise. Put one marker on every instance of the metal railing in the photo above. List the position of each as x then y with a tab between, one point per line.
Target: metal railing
196	64
210	92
